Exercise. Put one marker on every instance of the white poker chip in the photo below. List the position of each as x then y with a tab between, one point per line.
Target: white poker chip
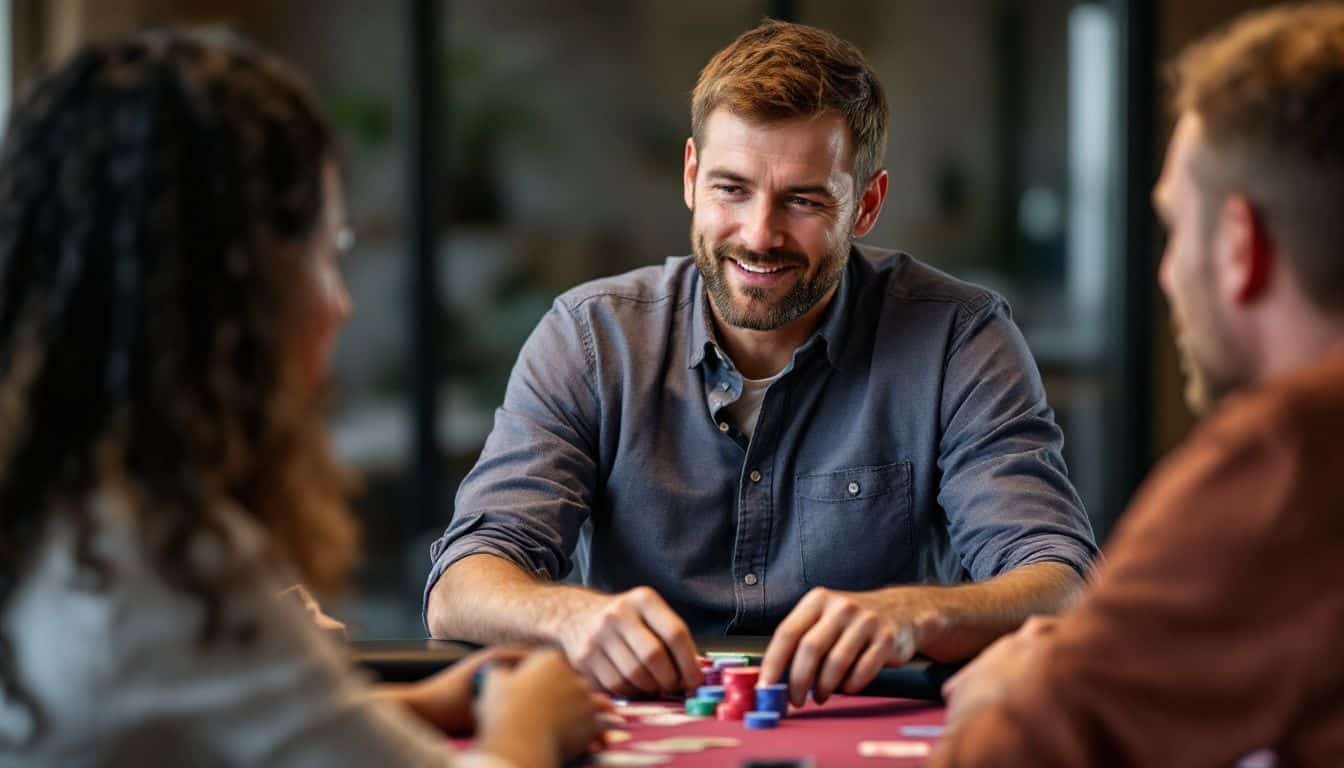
894	749
668	719
639	710
630	758
687	744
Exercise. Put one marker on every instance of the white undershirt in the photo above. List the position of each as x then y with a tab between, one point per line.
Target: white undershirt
746	410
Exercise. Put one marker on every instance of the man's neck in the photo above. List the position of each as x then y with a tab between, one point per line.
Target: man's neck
1300	342
762	354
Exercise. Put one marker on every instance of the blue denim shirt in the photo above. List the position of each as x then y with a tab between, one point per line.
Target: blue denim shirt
908	440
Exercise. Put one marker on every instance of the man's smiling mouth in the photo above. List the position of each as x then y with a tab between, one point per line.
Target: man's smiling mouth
759	270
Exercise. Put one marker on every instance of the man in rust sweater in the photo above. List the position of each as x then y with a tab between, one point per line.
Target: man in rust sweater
1217	625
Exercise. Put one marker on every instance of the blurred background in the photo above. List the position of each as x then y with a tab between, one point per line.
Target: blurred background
502	151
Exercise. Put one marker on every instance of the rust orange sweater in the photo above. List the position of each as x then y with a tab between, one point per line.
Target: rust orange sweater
1217	625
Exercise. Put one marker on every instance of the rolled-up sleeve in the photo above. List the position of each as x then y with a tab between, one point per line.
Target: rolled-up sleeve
1004	487
532	488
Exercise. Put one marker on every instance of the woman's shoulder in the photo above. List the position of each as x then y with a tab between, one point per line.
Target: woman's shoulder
106	633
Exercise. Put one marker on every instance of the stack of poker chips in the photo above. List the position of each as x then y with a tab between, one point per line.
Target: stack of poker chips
773	698
706	701
739	687
714	671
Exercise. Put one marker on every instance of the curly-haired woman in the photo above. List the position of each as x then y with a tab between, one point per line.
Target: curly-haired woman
170	220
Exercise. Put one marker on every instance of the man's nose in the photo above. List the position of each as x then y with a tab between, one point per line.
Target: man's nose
761	231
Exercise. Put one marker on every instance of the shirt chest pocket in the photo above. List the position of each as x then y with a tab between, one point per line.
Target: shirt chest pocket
855	527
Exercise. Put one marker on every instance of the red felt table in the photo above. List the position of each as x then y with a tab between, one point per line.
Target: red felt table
829	734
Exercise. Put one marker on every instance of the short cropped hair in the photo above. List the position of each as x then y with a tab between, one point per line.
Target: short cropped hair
1269	93
779	70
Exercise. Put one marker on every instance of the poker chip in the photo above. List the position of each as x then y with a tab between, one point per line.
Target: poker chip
671	719
773	698
760	720
922	731
702	707
687	744
739	692
726	711
735	676
894	749
712	692
630	758
642	710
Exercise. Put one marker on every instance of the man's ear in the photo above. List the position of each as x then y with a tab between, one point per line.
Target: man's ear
690	165
1244	253
870	203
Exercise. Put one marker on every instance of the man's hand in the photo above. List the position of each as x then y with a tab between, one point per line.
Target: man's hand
630	643
996	671
839	641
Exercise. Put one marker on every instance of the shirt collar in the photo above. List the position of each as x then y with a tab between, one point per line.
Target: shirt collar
831	331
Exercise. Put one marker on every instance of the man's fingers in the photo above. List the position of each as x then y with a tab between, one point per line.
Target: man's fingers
607	676
883	651
853	641
812	649
669	628
784	642
654	656
627	662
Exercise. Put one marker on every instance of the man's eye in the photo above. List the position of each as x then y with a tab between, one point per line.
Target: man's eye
803	202
729	189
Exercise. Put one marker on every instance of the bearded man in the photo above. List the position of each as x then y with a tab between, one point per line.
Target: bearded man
1215	627
786	433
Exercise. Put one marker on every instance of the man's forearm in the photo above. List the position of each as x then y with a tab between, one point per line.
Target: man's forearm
968	617
487	599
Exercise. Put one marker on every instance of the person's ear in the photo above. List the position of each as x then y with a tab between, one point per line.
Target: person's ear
1243	251
870	203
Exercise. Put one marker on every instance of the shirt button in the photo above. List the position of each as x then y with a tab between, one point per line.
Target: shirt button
724	385
755	475
723	426
749	579
853	489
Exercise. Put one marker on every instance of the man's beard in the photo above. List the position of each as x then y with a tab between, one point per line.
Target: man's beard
761	314
1212	363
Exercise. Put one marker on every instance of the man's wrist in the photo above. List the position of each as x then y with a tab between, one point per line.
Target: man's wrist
565	604
905	603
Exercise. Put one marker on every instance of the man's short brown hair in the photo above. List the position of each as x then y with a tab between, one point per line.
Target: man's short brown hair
778	71
1269	93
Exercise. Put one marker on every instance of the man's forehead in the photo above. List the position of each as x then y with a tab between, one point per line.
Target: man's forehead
1185	139
820	142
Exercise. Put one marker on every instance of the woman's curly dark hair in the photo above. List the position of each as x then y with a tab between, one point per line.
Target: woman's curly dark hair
145	308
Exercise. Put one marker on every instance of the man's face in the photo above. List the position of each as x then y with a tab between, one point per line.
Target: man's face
1215	364
773	207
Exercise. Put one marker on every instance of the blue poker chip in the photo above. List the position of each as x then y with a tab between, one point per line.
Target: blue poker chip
758	719
774	698
922	731
712	692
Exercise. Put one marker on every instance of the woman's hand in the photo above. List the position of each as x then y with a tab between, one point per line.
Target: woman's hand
445	699
539	713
